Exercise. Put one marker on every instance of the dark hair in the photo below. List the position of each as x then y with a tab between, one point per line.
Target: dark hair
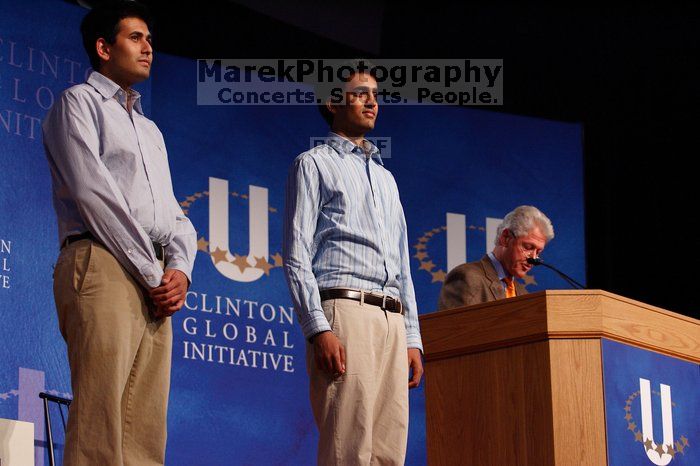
323	90
102	22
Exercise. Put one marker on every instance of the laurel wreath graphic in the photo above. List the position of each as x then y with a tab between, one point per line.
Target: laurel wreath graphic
673	449
219	255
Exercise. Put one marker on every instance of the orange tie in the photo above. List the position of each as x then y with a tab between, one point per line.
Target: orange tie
510	287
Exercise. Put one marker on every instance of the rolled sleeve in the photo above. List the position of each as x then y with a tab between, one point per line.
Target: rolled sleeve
181	251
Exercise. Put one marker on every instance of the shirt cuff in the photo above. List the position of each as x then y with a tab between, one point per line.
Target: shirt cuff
152	275
314	323
414	341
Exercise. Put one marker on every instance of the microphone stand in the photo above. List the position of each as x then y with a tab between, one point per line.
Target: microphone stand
570	280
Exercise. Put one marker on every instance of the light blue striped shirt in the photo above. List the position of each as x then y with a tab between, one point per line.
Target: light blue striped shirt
345	227
111	177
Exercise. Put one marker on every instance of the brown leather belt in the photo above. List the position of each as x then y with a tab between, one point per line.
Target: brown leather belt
157	247
385	302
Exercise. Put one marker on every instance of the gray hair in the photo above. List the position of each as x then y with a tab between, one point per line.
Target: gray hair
524	218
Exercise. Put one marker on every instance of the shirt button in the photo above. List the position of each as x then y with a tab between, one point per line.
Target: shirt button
129	251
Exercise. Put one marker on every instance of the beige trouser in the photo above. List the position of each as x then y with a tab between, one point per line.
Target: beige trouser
362	416
119	360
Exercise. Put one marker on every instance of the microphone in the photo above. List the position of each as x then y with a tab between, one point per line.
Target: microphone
571	281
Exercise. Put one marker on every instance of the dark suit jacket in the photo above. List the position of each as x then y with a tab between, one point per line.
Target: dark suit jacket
473	283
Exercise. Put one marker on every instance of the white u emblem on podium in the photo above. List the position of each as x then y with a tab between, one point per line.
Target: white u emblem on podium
666	419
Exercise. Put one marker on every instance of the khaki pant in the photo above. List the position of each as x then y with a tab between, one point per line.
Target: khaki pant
362	416
119	359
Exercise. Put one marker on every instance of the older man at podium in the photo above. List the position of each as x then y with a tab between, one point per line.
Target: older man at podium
523	234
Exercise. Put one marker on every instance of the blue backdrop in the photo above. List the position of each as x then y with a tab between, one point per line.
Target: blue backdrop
239	387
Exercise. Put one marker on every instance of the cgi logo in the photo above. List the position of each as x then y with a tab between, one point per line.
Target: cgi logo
257	235
236	267
664	452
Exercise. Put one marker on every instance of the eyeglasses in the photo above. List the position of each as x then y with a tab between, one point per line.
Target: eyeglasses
529	250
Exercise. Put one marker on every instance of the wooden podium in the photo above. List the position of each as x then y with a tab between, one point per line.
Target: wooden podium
520	381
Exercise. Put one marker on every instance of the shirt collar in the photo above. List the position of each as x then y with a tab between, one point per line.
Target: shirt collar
343	145
111	90
497	265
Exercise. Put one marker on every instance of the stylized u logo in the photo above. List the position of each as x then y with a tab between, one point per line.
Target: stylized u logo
656	454
219	229
457	238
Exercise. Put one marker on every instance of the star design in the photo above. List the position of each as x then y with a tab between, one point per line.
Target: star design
234	194
684	440
202	244
261	263
278	260
638	436
659	449
443	228
631	426
16	392
421	255
241	262
185	204
191	198
471	227
419	247
628	416
218	255
197	195
436	230
273	209
529	280
427	266
438	276
4	396
671	451
428	234
423	239
206	193
679	447
244	196
628	408
647	444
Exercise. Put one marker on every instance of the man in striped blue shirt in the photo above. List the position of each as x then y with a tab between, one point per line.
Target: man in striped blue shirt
347	266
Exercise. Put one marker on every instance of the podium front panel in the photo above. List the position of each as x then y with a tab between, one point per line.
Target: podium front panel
652	407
